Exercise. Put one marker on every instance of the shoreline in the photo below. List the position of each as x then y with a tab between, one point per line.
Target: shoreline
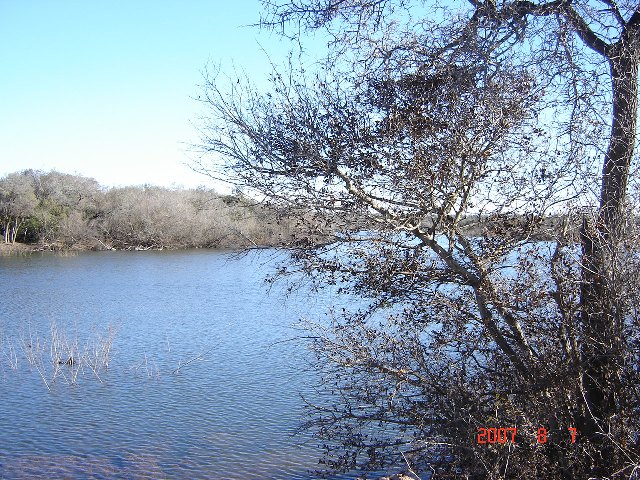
16	249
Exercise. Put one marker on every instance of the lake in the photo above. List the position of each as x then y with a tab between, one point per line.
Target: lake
202	381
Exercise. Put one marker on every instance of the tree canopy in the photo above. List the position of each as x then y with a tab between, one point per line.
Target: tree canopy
53	210
432	148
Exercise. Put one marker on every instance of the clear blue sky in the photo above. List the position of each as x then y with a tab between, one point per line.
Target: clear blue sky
104	88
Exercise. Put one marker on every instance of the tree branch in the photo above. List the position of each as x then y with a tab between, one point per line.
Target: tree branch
523	8
634	21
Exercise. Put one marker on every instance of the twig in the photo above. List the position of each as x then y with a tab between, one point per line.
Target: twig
197	357
409	466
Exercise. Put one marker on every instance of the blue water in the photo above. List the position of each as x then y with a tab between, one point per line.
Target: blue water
202	380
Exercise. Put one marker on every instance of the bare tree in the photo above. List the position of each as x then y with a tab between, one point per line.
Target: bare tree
67	206
434	152
17	202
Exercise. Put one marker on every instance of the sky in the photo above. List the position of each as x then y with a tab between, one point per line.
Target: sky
108	89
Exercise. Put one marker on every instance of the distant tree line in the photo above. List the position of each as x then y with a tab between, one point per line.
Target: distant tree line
53	210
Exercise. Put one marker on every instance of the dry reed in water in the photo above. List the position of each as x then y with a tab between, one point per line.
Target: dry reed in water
60	357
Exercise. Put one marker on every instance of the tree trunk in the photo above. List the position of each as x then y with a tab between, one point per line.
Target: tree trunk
601	318
623	62
14	229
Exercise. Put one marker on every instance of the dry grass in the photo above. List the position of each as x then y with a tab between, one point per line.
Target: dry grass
59	357
15	248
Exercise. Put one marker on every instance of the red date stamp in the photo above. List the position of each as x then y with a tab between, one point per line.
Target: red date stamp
509	435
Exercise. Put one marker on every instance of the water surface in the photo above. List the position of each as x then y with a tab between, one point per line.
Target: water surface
200	382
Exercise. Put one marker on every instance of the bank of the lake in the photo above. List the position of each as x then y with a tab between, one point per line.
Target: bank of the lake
16	248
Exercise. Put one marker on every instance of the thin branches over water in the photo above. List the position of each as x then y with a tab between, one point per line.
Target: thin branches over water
431	154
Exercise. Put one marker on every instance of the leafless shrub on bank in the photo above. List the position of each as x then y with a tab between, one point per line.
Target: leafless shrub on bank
60	212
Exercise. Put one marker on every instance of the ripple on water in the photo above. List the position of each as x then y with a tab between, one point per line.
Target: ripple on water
229	410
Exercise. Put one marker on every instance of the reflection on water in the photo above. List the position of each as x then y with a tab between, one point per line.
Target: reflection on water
199	383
